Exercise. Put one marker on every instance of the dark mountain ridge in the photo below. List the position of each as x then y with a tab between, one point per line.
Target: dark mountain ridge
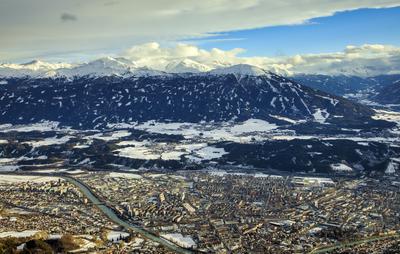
380	89
389	94
93	102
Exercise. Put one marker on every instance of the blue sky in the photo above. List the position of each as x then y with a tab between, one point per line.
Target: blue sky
82	30
327	34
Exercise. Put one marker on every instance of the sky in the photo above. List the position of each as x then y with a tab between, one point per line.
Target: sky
281	34
324	34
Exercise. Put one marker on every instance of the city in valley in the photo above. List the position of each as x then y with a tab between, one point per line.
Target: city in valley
203	211
211	126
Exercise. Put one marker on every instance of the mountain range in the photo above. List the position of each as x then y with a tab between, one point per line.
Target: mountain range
358	88
382	89
390	94
238	92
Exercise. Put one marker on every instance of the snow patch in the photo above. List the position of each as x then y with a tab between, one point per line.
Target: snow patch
320	115
226	131
110	136
157	150
124	175
48	141
138	152
341	167
186	66
240	69
115	236
22	234
286	119
179	239
392	167
172	155
20	179
42	127
207	153
253	125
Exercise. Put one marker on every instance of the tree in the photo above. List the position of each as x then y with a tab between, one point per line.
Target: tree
68	243
37	247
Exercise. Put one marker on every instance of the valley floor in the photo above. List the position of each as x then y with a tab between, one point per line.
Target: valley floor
209	211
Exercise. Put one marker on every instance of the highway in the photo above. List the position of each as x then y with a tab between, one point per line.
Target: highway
86	191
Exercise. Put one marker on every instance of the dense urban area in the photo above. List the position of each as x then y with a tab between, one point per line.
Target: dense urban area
200	211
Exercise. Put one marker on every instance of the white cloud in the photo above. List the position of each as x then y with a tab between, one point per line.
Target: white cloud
154	56
35	27
364	60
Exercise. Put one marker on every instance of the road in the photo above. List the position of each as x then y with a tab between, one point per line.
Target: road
113	216
350	244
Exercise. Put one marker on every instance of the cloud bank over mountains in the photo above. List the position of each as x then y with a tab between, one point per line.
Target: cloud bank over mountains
365	60
47	27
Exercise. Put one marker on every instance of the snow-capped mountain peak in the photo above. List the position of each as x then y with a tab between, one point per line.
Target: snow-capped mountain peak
239	69
35	68
41	65
186	66
35	65
112	62
105	66
110	66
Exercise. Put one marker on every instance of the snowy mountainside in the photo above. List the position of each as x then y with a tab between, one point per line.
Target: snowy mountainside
239	69
390	94
186	66
338	85
349	86
35	68
88	102
104	66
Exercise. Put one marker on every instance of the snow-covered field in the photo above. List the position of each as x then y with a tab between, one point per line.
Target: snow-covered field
147	150
313	180
179	239
20	179
341	167
254	130
10	164
41	126
26	233
110	136
114	236
220	172
199	142
8	168
339	137
227	131
207	153
139	152
124	175
48	141
391	116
